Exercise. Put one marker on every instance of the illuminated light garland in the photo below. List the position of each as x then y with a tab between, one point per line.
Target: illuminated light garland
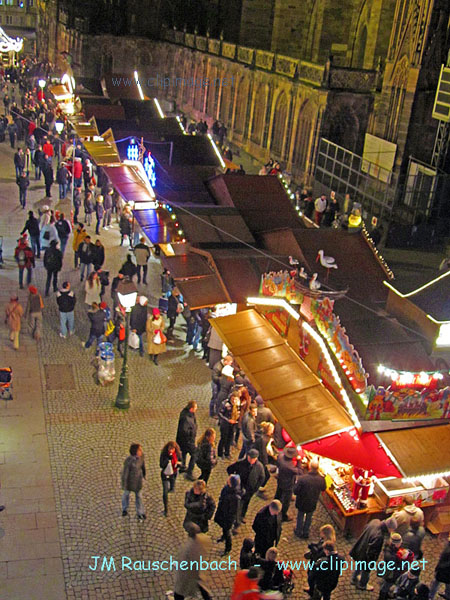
158	106
133	150
428	478
138	83
275	302
150	168
181	125
335	374
216	150
411	379
374	249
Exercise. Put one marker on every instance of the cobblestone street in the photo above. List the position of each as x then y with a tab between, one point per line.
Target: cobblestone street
66	448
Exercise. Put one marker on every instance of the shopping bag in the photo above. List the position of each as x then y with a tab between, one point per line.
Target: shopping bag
133	340
159	337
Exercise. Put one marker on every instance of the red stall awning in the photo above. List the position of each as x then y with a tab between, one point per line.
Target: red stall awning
364	451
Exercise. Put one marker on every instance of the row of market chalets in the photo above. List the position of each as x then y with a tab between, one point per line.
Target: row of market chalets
350	376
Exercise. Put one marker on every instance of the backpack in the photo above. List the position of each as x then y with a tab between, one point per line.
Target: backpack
62	228
21	257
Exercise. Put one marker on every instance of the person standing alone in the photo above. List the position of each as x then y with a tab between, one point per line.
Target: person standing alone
53	265
133	475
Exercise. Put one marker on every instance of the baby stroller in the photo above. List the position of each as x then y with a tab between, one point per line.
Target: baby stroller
104	361
6	385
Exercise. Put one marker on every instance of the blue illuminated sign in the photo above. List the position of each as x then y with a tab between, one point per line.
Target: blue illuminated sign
149	166
133	150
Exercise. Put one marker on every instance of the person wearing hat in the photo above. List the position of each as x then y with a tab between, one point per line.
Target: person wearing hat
190	581
264	412
267	527
308	489
33	311
13	316
406	583
156	341
289	468
251	472
25	260
226	383
442	572
328	569
368	547
391	558
138	321
227	510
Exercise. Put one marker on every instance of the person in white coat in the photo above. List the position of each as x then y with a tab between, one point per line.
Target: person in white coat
93	288
49	233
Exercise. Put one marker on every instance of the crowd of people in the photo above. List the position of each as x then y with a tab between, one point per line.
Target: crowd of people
241	424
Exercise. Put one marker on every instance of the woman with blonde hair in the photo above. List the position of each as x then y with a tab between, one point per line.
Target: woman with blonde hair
206	454
316	551
93	288
199	505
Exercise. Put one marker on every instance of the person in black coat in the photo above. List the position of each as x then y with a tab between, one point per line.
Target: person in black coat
272	578
173	307
228	417
199	505
307	490
32	226
97	320
128	268
442	572
206	456
53	265
327	571
267	527
49	178
138	321
289	468
125	228
98	255
169	461
251	472
368	548
227	509
23	182
186	434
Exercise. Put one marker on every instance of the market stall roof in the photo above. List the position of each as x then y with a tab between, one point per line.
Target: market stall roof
433	298
304	407
241	269
88	85
107	112
209	225
102	152
189	150
182	185
60	92
87	128
364	451
129	182
262	201
156	225
418	452
196	279
138	109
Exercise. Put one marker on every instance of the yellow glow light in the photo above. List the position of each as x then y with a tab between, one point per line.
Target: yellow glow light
138	83
274	302
158	106
216	150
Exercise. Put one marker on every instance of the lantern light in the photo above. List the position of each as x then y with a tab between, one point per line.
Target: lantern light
59	126
127	294
42	83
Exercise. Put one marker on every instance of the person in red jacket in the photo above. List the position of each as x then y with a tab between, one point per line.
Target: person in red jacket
245	585
48	149
78	171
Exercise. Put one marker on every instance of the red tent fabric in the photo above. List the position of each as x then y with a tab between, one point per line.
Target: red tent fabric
364	451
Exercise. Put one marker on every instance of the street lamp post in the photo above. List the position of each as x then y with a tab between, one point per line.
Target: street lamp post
127	294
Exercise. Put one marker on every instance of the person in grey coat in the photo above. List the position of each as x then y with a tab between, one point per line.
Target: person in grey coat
368	548
190	581
133	475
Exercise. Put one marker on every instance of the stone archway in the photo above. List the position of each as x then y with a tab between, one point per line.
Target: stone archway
279	124
259	112
241	105
305	127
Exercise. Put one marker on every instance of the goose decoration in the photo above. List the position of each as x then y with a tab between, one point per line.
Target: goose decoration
326	261
303	274
293	261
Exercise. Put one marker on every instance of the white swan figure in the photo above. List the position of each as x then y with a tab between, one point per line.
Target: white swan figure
313	283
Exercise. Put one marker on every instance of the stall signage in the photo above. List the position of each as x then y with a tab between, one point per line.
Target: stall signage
407	403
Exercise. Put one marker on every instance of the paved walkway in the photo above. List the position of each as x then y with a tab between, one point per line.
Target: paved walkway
61	452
